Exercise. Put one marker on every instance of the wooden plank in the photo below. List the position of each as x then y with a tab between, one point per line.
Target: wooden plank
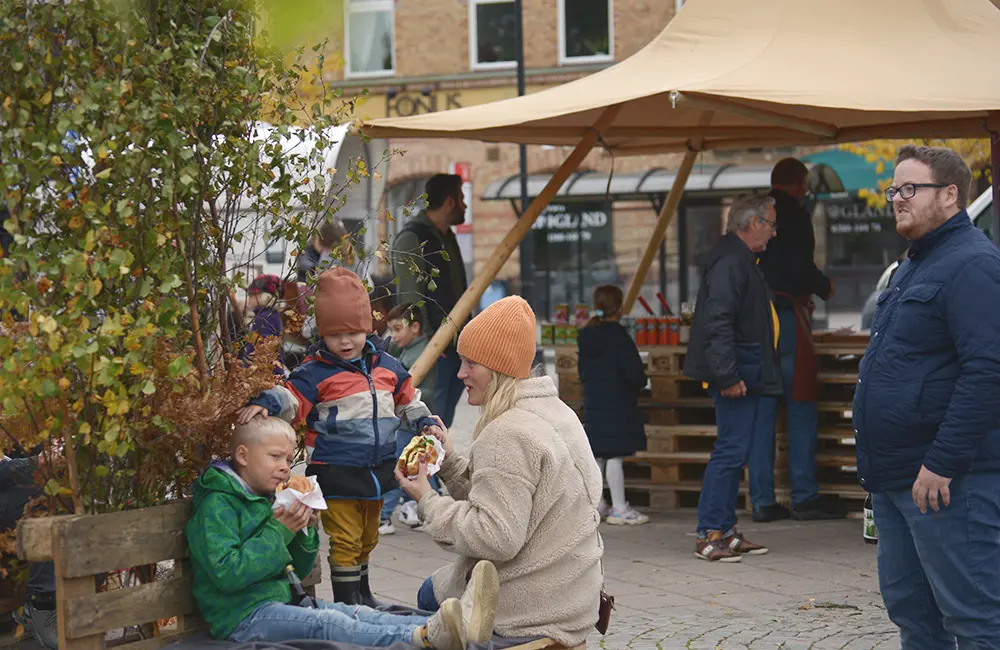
844	435
703	456
845	491
119	540
95	614
67	590
34	538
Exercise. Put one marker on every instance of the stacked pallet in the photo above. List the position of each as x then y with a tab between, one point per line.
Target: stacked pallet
680	428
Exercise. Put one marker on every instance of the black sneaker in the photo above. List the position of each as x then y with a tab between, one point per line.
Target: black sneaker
773	512
819	508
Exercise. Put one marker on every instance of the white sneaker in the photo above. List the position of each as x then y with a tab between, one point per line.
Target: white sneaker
386	527
408	515
603	509
626	517
479	603
445	629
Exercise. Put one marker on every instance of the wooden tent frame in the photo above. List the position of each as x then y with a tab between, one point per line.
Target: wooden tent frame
807	130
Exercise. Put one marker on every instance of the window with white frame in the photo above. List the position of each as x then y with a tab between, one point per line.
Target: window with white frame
492	34
586	30
370	43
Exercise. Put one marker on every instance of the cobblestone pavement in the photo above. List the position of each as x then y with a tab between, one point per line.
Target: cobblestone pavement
816	589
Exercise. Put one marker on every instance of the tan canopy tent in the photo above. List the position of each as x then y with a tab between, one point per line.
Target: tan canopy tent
731	74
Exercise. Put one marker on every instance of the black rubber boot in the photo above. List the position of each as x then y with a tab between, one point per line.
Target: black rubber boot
367	597
348	593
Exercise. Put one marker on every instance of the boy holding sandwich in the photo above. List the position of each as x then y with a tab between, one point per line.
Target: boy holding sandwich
352	396
240	549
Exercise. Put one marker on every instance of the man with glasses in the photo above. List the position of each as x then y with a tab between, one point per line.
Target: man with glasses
792	274
733	351
927	414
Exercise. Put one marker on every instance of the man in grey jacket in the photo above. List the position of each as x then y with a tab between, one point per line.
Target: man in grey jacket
733	352
428	266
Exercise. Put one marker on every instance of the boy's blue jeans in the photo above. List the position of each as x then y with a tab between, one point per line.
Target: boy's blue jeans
392	497
939	572
275	622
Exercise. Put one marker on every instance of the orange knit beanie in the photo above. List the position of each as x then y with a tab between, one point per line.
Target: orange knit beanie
502	338
342	303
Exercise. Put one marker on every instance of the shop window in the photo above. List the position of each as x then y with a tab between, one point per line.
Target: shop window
275	252
370	38
586	30
492	34
574	252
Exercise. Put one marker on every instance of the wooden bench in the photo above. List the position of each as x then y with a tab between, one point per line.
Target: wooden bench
86	547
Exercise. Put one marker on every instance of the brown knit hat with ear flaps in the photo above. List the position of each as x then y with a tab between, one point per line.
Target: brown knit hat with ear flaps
342	303
502	338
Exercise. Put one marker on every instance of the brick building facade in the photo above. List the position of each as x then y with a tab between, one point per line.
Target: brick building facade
416	56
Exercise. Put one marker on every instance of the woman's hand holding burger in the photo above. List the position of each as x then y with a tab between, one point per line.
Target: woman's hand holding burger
415	486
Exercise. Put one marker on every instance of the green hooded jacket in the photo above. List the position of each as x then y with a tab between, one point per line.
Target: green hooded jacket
239	551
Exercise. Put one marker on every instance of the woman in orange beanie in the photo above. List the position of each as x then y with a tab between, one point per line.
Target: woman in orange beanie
526	496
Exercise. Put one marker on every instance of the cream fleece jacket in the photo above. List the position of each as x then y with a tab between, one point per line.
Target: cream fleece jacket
526	499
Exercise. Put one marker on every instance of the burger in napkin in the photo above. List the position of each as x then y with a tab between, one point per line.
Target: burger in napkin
426	446
298	483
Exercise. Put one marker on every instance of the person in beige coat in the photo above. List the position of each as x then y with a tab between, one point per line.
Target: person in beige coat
525	498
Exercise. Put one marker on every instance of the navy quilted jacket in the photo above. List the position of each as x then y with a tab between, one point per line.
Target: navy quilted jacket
928	391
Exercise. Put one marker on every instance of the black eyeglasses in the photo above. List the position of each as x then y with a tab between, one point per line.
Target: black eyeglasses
773	224
909	190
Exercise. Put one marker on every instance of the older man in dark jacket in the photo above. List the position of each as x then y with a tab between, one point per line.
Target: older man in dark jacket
732	351
927	414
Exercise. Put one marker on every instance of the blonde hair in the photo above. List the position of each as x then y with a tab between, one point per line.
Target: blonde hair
259	429
501	396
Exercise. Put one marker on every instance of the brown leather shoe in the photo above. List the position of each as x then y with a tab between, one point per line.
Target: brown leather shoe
740	545
714	549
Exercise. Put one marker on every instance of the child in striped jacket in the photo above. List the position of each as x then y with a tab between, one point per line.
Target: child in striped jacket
351	396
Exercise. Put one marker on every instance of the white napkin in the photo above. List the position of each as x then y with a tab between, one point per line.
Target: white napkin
314	498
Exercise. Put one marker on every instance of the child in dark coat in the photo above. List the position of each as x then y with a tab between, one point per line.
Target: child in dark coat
612	374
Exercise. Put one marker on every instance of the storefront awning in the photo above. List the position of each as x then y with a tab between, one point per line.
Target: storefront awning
704	181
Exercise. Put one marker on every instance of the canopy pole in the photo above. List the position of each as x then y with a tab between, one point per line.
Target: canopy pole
666	214
449	328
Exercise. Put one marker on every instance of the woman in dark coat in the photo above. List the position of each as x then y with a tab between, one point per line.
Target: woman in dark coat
612	375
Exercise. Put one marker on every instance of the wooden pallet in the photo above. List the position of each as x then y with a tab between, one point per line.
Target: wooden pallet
84	547
681	419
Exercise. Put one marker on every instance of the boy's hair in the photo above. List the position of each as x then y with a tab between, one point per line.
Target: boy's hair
407	312
259	429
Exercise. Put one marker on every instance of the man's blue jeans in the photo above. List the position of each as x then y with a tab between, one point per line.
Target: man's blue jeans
736	421
449	387
275	622
939	572
803	422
